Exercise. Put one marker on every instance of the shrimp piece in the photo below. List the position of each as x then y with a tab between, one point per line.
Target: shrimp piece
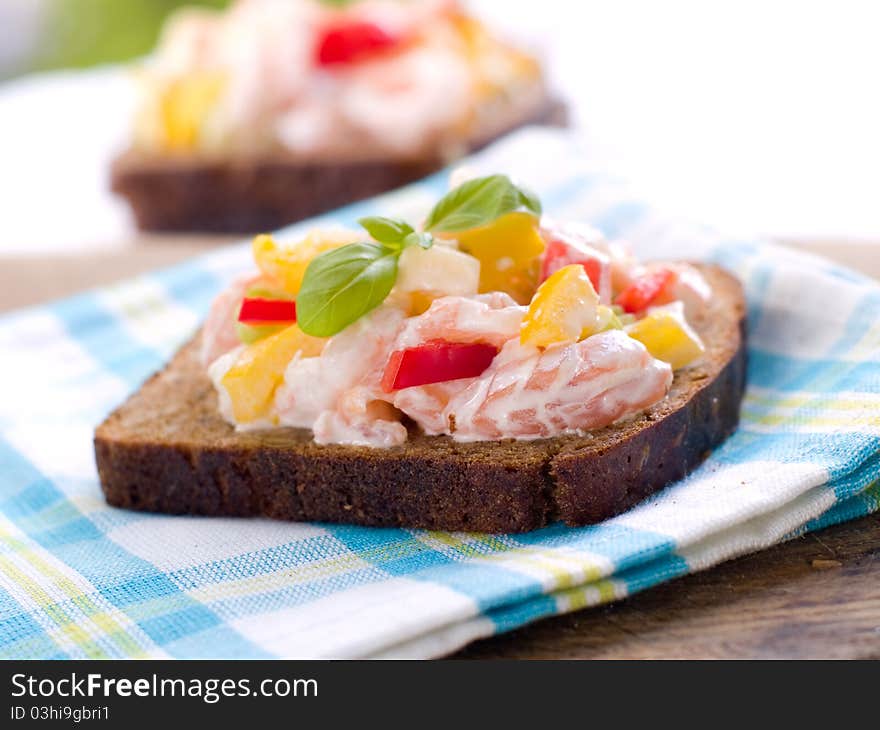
529	394
425	403
689	287
355	357
411	99
360	419
686	285
492	318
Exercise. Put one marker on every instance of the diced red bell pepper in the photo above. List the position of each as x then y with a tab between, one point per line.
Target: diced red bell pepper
348	42
436	361
257	310
593	267
560	253
645	290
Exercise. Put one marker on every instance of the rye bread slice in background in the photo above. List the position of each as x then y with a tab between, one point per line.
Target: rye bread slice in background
190	193
168	450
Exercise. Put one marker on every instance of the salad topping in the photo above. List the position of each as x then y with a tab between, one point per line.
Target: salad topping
485	322
324	79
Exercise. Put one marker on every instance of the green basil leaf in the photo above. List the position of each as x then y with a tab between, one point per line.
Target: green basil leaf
390	231
425	240
478	202
342	285
529	201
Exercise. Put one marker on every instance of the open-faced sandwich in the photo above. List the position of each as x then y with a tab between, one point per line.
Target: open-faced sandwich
274	111
488	370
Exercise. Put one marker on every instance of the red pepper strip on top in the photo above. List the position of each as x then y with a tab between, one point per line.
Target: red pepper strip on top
351	42
436	361
642	292
257	310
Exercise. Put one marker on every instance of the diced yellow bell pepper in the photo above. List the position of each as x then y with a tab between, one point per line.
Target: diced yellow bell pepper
564	310
184	105
287	264
667	336
252	381
507	249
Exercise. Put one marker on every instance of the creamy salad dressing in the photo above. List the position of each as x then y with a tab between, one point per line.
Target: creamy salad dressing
360	420
352	359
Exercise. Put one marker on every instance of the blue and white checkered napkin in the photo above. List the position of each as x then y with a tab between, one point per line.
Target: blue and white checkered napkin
80	579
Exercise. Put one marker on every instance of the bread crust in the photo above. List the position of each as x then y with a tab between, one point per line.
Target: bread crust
167	449
255	195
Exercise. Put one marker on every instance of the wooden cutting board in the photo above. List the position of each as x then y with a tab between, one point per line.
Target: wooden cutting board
816	596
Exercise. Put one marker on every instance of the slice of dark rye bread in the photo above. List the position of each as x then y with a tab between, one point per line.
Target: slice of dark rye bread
250	196
168	450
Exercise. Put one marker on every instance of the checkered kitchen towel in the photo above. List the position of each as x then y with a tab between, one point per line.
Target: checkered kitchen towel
80	579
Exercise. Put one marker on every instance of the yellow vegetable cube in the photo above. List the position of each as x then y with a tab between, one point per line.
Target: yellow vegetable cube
507	249
564	310
252	381
665	333
185	104
287	264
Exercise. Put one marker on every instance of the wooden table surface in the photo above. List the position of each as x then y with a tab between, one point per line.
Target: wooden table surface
816	596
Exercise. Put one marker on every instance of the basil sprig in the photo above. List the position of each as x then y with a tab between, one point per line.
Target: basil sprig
478	202
341	286
395	233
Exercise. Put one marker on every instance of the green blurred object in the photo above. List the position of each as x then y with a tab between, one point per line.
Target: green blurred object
88	32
